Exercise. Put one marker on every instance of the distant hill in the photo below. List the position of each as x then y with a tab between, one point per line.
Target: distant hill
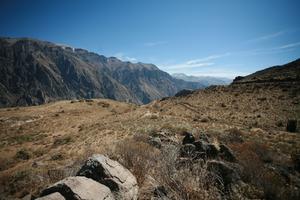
34	72
204	80
281	73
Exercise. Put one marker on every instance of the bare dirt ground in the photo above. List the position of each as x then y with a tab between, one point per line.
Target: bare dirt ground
42	144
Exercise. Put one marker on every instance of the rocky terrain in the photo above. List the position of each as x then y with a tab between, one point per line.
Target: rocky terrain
223	142
34	72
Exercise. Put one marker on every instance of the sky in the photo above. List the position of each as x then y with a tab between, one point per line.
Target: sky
224	38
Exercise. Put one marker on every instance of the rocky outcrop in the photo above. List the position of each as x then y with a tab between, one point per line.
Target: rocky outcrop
100	178
112	174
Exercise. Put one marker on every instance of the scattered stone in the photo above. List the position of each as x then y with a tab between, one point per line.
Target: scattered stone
296	161
188	139
291	126
112	174
156	142
226	153
187	150
80	188
205	119
160	191
53	196
223	170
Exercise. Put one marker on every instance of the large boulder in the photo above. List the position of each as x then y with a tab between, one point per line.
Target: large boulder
53	196
77	188
112	174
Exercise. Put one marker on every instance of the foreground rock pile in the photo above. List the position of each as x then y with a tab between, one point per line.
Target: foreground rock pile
99	178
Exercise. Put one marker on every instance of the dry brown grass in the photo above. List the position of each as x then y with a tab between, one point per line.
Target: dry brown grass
59	136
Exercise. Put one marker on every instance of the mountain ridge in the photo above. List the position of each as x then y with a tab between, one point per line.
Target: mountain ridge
35	72
205	80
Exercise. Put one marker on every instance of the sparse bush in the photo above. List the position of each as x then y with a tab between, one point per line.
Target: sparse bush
23	154
233	135
57	156
137	156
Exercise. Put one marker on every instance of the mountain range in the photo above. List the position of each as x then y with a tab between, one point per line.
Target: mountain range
203	80
33	72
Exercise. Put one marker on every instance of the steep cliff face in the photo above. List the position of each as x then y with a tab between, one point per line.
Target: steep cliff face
34	72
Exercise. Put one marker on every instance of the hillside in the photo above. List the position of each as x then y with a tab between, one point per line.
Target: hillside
284	73
41	145
34	72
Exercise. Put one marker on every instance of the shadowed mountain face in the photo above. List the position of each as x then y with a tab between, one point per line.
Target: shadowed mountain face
33	72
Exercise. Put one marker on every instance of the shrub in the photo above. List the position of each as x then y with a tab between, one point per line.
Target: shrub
58	156
23	154
137	156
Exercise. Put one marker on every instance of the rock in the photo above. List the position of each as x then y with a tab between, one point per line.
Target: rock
80	188
160	191
212	151
187	150
156	142
226	153
223	170
201	146
112	174
188	138
52	196
296	161
291	126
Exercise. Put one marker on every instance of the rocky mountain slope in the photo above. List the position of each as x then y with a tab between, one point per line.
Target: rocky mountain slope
289	72
204	80
34	72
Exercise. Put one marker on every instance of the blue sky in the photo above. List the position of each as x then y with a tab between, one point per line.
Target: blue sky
203	37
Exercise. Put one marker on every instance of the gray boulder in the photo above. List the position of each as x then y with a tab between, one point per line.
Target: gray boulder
156	142
53	196
112	174
77	188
